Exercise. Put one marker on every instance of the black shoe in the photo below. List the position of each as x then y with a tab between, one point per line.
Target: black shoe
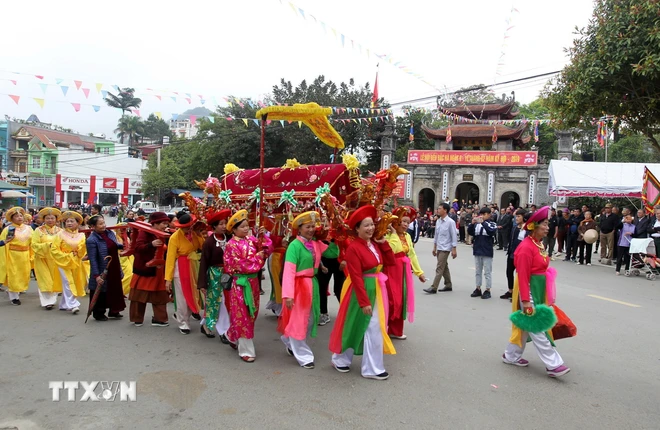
159	324
116	315
16	302
430	291
500	249
506	295
476	293
49	307
308	365
342	369
485	294
101	318
184	330
205	333
380	377
196	317
288	351
224	339
262	292
445	289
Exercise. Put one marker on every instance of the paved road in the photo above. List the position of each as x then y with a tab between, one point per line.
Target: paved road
447	375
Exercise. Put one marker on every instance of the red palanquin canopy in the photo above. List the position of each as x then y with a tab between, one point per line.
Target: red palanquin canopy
304	180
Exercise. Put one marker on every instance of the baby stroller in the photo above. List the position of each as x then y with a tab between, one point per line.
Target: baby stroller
644	259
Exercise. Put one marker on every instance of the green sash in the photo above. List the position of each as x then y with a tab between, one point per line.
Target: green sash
243	280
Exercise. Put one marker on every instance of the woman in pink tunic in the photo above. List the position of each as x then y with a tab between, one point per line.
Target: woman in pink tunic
244	258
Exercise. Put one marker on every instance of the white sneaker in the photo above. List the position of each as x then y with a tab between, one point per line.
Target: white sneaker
75	311
588	264
324	319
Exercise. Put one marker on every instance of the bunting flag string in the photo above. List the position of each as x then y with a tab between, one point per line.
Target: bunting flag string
510	122
362	49
40	102
505	39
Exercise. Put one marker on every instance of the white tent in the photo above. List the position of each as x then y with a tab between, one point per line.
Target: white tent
595	179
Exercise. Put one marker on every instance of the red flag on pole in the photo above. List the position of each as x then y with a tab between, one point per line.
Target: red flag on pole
650	191
374	98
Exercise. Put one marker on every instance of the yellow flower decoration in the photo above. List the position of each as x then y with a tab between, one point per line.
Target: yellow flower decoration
350	161
231	168
291	163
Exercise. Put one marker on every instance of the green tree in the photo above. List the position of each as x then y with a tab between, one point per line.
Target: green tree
634	148
124	100
614	69
157	182
414	117
130	128
155	129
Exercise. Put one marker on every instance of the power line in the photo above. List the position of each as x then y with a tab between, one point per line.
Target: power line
480	87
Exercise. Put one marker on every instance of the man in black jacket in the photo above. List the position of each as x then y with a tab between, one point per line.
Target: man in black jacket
549	240
483	230
515	237
504	225
642	225
571	237
608	223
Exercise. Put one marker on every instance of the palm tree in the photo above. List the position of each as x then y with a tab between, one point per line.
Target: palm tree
124	100
131	128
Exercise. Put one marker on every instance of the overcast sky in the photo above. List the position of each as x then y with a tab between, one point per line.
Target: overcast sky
243	48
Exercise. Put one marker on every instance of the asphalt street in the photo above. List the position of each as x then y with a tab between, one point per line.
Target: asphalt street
448	374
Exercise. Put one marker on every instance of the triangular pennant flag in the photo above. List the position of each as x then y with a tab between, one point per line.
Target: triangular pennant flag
104	93
78	84
15	98
13	81
268	121
136	112
38	76
173	98
40	102
158	115
245	121
299	124
230	104
188	100
158	97
229	118
202	101
175	116
200	97
64	89
212	119
98	87
282	122
76	106
256	121
116	87
44	87
189	96
86	92
96	108
193	120
59	81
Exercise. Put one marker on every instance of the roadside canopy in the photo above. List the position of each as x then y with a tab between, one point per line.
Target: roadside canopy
595	179
4	186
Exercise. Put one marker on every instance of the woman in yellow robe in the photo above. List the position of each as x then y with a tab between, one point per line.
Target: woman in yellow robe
16	255
69	248
45	268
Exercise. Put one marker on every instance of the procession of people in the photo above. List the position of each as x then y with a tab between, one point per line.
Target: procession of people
210	261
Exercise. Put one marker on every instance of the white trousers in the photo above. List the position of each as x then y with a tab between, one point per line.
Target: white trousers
547	353
68	301
372	360
182	310
14	296
300	349
223	319
246	348
48	298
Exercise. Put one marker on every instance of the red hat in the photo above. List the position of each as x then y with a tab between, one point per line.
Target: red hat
367	211
537	217
218	216
158	217
185	221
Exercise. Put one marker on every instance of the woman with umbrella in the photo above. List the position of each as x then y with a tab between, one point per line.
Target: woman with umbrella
15	256
45	267
68	250
103	243
531	288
